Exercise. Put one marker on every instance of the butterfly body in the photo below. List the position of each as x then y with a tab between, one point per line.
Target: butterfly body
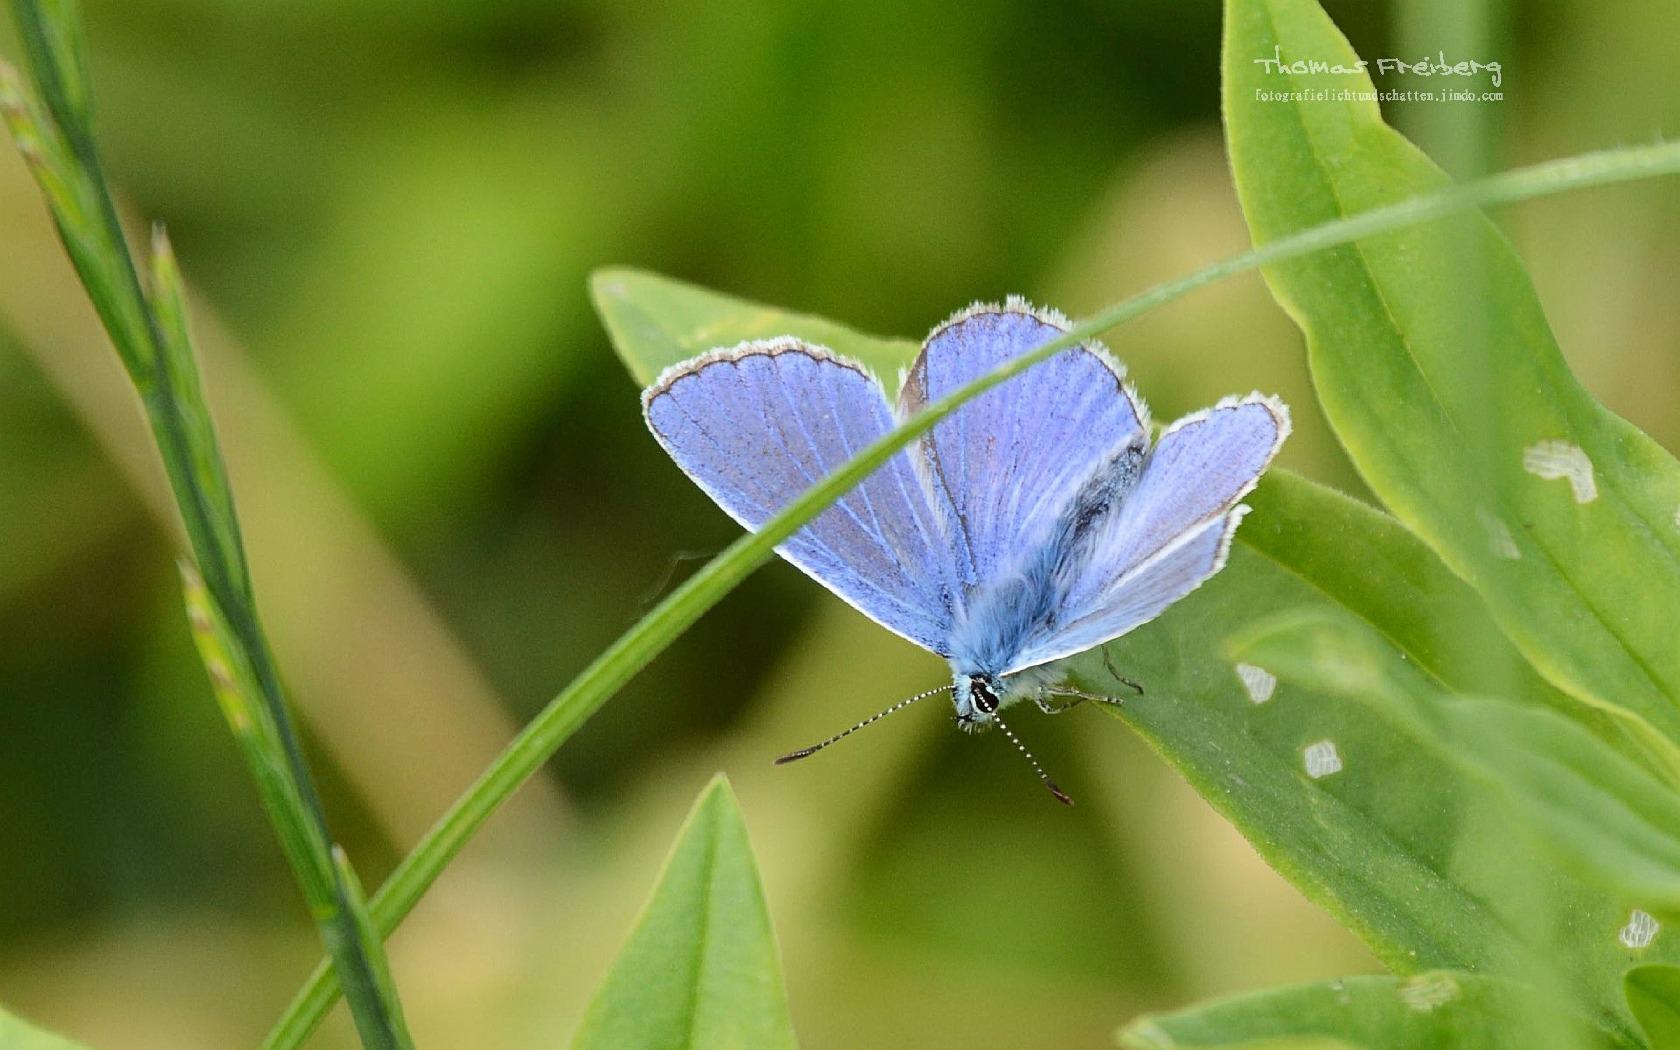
1034	522
999	619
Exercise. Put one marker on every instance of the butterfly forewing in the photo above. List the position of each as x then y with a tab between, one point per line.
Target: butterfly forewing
757	425
1003	465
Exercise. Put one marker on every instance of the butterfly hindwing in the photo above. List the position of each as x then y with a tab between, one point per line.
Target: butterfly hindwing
1141	597
757	425
1172	529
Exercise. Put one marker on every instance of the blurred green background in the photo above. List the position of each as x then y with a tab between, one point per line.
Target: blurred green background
388	210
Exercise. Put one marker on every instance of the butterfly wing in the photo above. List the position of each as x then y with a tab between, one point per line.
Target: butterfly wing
1171	532
1003	465
757	425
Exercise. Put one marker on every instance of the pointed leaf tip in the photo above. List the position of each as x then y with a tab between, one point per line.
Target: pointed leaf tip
700	969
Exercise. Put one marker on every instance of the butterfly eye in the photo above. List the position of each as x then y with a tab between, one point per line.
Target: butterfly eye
984	699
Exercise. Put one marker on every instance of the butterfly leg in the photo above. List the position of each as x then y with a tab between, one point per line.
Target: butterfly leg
1071	698
1079	697
1118	677
1050	707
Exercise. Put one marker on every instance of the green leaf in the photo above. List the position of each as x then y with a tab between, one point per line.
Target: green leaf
700	969
239	694
1414	855
1438	1009
1596	811
1436	368
656	322
1600	814
1653	994
16	1035
81	211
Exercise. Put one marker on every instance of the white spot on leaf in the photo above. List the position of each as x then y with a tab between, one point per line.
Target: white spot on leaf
1559	459
1322	759
1641	928
1500	540
1426	991
1259	682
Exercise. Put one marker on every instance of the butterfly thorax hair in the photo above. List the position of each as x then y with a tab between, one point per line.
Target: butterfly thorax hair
1000	616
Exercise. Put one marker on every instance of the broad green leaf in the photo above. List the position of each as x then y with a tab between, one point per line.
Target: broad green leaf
656	322
700	969
1435	366
1411	853
1400	845
1444	1009
1653	993
16	1035
1596	811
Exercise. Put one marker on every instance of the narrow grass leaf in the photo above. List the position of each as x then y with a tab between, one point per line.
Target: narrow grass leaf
240	697
371	944
52	36
180	373
150	335
80	213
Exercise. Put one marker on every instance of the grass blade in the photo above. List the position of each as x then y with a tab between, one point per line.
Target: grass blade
150	334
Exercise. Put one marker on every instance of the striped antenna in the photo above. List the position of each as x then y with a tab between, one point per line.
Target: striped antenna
1061	796
807	752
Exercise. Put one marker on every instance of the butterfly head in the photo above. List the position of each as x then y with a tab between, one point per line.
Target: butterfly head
977	698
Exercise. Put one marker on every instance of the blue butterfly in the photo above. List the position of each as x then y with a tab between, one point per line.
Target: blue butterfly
1033	523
